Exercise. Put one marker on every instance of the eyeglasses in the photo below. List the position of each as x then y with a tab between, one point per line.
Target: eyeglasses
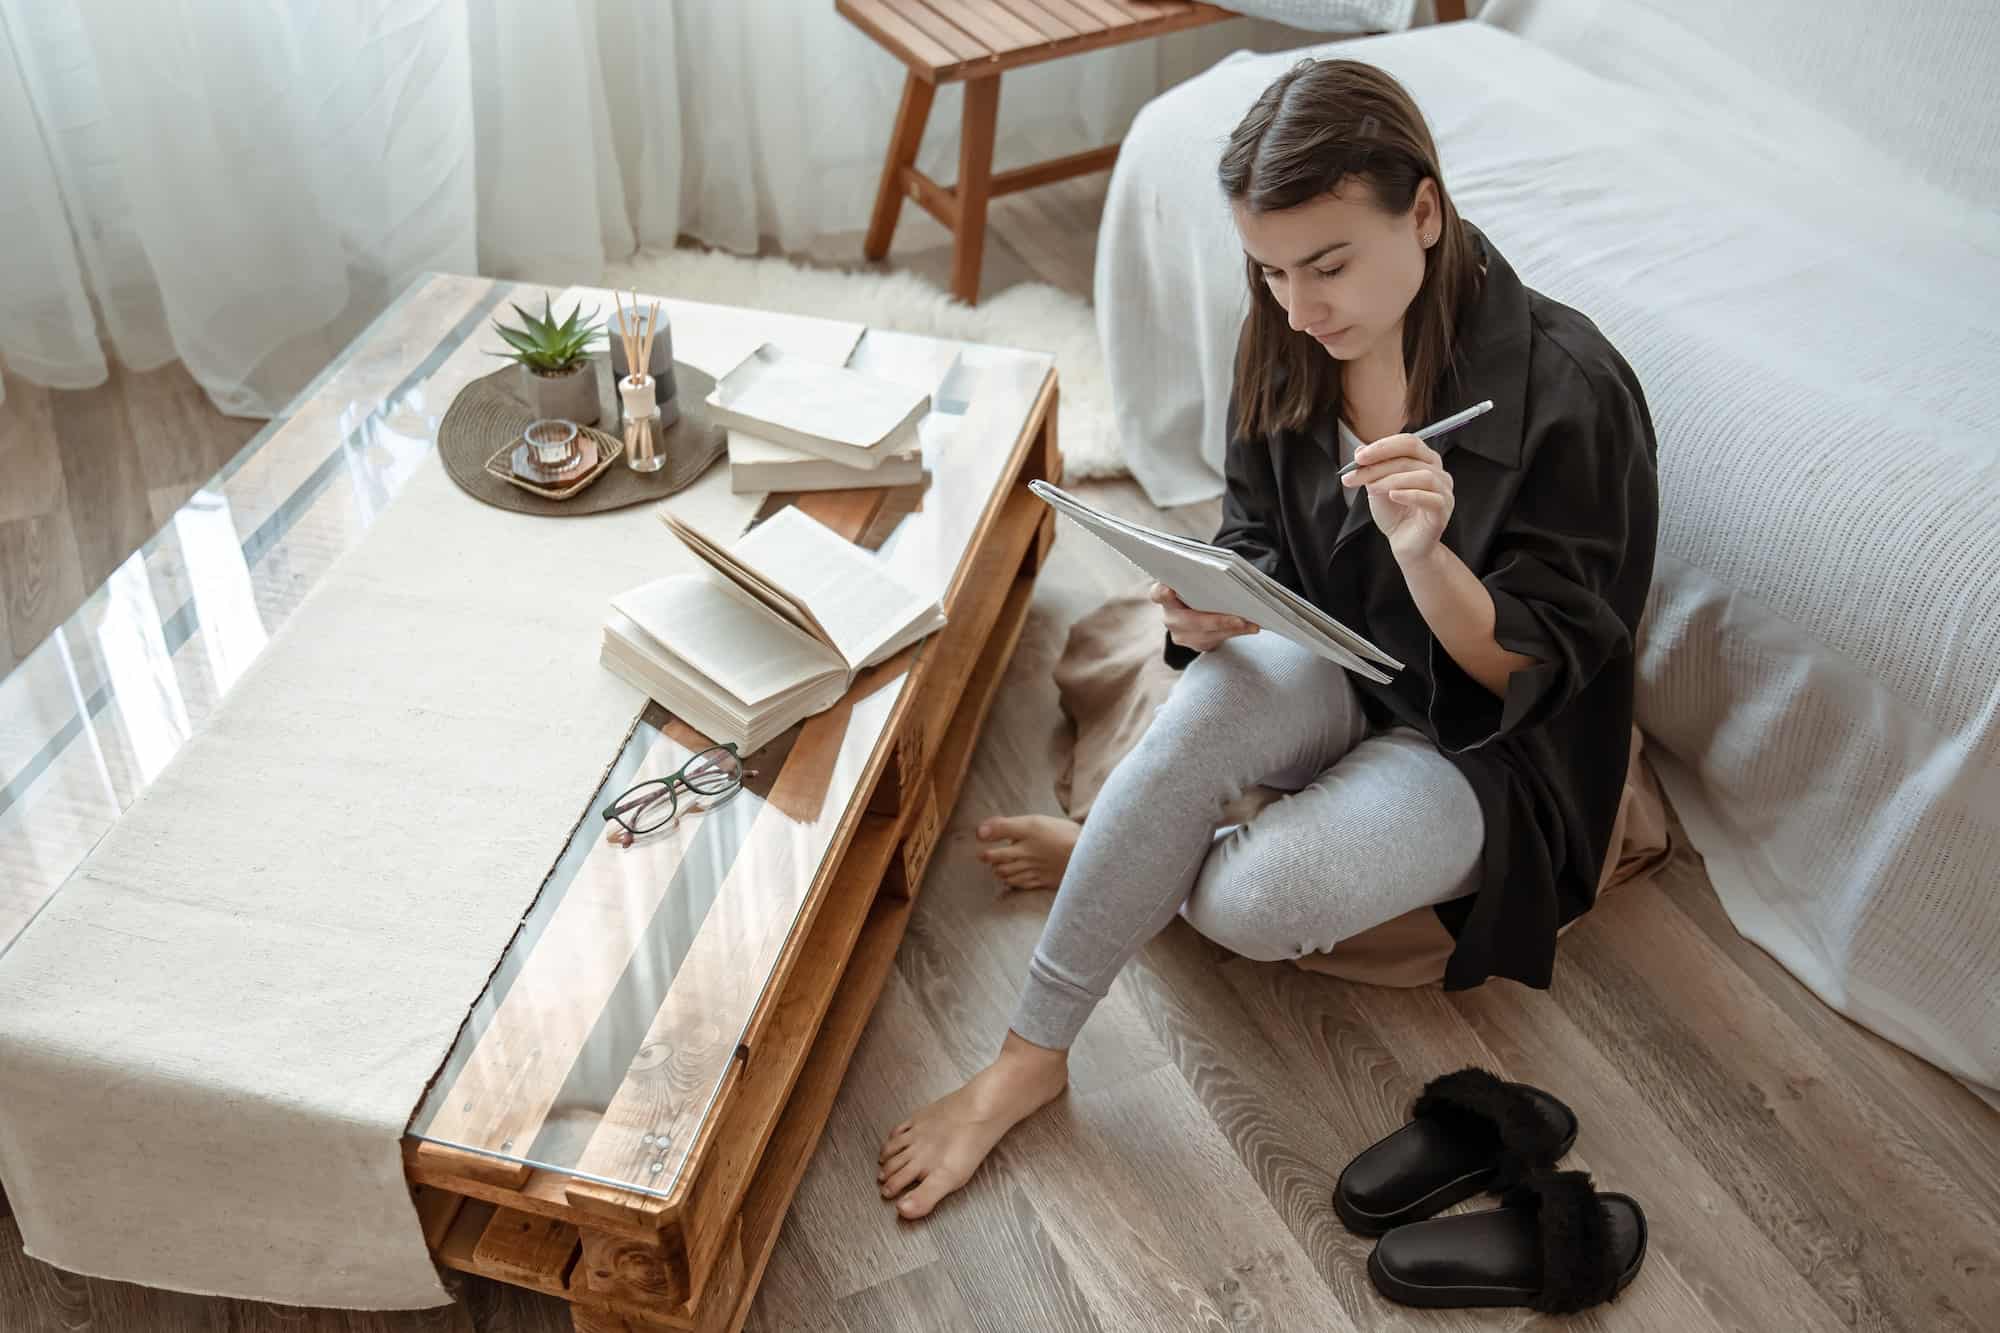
649	806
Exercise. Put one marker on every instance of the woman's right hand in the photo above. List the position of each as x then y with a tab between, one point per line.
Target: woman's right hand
1199	630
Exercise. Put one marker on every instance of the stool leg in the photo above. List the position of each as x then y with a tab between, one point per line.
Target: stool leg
911	117
975	180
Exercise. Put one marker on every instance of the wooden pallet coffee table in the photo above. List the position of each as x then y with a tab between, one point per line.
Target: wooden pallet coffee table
626	1114
633	1103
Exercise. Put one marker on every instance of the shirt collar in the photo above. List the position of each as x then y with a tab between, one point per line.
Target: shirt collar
1492	362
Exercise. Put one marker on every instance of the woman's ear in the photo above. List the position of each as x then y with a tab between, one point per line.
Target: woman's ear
1426	212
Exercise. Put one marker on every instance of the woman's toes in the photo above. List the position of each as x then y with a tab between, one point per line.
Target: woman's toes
894	1163
900	1179
919	1201
999	826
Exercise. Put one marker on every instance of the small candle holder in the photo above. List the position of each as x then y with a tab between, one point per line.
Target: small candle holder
552	443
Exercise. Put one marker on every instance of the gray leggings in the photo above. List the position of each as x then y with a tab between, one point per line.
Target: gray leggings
1374	825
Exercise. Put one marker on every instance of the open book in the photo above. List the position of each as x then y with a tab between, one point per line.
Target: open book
1210	578
772	631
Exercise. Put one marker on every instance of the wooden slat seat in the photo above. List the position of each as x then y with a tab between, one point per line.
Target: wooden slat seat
944	40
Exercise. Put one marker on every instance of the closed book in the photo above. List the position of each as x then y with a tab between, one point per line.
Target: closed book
833	412
757	464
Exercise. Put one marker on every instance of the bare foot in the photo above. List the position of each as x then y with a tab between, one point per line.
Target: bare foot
939	1147
1032	850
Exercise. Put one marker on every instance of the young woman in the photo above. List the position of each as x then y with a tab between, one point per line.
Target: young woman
1508	576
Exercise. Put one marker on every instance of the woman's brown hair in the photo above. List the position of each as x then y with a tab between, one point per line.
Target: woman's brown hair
1320	123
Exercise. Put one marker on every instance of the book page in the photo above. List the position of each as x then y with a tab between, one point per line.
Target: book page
724	561
862	606
725	634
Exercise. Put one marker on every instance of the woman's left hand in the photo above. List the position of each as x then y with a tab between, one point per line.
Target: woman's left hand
1409	493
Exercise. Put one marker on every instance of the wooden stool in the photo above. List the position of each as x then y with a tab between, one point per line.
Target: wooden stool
976	41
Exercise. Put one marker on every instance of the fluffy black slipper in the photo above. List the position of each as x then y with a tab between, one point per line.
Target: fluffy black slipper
1555	1245
1468	1132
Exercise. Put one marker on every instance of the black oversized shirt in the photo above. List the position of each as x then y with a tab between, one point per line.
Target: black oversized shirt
1556	510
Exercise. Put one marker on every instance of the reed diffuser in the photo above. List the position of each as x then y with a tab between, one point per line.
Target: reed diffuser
635	391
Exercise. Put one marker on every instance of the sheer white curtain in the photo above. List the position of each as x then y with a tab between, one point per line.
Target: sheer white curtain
243	187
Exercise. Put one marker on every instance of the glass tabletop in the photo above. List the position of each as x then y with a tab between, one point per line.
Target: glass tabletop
92	715
608	1024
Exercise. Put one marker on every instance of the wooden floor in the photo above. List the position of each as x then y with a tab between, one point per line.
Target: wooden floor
1798	1172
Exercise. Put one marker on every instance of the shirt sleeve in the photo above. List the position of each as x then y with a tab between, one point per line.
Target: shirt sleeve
1575	551
1250	523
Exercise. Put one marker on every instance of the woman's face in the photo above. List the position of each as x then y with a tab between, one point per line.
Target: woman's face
1342	269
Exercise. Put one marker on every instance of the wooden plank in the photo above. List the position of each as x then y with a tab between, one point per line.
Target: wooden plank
847	512
912	114
1071	13
527	1251
964	47
436	1210
974	184
954	753
992	25
1742	1278
1796	1111
31	477
959	649
44	581
101	477
905	40
1151	11
544	1194
1055	169
1052	26
1108	17
906	869
462	1238
804	1120
933	198
620	1271
456	1163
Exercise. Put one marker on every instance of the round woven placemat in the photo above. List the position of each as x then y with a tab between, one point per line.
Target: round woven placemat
490	411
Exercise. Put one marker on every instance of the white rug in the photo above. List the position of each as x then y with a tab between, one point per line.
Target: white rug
1031	315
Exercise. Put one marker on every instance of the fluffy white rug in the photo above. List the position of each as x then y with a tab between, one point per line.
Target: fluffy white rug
1033	315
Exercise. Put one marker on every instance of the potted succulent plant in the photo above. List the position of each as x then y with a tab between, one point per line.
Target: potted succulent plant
556	375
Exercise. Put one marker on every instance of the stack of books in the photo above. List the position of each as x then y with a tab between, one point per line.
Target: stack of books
800	425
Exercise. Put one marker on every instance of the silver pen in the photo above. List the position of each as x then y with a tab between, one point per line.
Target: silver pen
1437	428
